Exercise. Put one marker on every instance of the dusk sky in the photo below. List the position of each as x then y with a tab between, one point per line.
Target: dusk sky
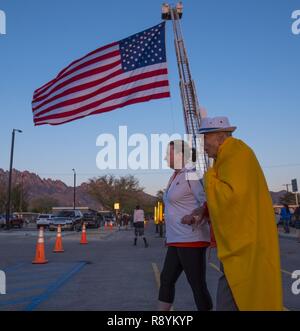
244	59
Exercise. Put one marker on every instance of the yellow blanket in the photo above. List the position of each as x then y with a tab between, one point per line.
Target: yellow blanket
243	221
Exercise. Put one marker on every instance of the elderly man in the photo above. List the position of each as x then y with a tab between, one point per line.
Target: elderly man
242	217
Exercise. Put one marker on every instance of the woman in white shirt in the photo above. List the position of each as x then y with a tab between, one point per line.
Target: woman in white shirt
186	244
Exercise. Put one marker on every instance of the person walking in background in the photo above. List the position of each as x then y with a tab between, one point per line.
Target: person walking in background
286	217
297	222
242	216
119	220
186	244
125	221
138	223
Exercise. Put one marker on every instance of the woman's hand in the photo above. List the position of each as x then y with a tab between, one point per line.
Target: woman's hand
188	219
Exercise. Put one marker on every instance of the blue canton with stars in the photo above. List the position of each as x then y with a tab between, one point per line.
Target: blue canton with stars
144	48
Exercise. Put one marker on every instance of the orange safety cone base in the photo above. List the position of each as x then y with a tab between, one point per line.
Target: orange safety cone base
83	240
58	250
38	262
39	259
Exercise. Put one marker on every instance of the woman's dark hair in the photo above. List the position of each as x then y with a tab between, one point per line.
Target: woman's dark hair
183	147
137	207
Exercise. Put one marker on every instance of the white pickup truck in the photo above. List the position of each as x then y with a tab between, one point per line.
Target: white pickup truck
44	220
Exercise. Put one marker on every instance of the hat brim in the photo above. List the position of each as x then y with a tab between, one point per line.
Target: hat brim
211	130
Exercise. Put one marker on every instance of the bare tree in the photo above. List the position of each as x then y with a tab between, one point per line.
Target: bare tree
109	189
19	198
43	204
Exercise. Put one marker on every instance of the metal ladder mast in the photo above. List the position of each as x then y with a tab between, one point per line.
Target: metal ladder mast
191	109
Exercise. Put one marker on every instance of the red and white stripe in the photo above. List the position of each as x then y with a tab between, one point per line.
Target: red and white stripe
95	84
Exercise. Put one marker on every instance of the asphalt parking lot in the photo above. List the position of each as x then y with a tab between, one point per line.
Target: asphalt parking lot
108	273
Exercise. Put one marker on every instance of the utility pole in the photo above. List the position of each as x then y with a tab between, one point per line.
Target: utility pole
8	206
191	108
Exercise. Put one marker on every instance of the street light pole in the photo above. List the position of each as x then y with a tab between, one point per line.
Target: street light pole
10	177
74	202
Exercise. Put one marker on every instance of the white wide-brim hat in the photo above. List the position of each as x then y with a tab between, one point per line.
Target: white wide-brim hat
216	124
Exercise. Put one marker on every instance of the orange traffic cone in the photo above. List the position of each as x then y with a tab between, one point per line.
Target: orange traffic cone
40	249
83	235
111	225
58	248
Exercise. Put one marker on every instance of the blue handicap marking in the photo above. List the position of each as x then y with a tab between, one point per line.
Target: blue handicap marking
29	285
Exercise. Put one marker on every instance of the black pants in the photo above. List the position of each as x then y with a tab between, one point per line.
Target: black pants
193	262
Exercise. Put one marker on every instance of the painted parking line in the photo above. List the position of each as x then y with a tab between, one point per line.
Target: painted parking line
156	274
214	267
286	272
54	287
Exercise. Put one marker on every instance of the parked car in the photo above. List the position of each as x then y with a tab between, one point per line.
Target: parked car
109	217
44	220
16	221
68	219
92	219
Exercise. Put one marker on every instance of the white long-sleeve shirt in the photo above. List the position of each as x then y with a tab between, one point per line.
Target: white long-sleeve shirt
180	199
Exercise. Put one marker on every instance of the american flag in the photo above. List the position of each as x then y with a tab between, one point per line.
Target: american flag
122	73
